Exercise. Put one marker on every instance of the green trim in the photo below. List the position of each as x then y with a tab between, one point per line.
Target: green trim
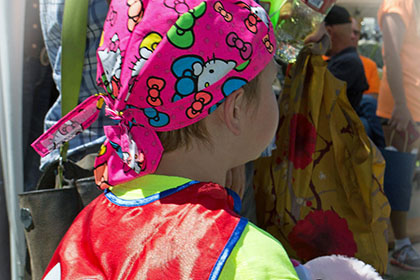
258	255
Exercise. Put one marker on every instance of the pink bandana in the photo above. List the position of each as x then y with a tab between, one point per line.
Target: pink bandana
165	64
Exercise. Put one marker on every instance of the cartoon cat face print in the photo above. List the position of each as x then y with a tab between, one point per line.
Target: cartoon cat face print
64	134
257	15
194	74
133	158
111	63
146	48
259	11
212	71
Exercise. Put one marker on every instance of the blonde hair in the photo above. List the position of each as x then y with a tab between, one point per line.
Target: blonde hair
172	140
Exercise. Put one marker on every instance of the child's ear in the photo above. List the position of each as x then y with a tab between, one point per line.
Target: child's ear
233	108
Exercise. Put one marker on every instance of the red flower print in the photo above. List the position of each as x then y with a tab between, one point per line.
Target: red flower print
302	141
322	233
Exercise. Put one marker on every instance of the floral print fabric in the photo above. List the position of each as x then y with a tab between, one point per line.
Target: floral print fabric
321	192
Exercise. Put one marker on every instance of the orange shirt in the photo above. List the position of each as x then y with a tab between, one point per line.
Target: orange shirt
372	76
410	60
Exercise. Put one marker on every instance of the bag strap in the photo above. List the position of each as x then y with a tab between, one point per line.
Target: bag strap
73	43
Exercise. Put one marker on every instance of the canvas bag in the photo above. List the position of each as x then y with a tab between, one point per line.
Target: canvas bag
400	167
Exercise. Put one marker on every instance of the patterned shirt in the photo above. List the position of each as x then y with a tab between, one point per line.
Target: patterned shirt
51	16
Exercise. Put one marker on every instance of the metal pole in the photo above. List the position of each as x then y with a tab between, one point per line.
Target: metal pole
11	64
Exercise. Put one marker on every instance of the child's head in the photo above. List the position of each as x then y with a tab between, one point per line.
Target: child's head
182	138
166	65
257	101
169	64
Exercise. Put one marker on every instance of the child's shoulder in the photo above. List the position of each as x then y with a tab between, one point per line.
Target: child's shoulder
258	255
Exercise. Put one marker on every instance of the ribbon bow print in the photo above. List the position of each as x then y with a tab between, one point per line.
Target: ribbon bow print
181	34
179	6
156	118
245	48
202	98
155	86
218	7
251	23
268	44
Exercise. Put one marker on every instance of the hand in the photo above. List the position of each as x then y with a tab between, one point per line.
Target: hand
235	180
400	118
317	35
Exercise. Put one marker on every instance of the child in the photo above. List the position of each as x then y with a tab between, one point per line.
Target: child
166	66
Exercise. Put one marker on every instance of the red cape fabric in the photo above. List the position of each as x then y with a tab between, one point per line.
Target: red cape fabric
179	236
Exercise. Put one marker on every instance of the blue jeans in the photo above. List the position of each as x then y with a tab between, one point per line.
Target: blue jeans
372	123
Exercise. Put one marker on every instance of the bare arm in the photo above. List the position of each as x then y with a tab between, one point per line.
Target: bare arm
393	36
317	35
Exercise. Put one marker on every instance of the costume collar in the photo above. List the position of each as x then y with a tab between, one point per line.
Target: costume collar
149	188
147	185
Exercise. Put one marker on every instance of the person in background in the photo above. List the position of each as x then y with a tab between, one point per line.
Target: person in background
368	104
344	62
399	101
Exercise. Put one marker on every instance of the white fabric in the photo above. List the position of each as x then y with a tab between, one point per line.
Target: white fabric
335	267
11	67
55	273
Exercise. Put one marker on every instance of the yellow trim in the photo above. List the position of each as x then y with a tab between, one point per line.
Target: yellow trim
258	255
147	185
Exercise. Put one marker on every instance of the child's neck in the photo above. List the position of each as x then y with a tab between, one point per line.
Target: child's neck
198	163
